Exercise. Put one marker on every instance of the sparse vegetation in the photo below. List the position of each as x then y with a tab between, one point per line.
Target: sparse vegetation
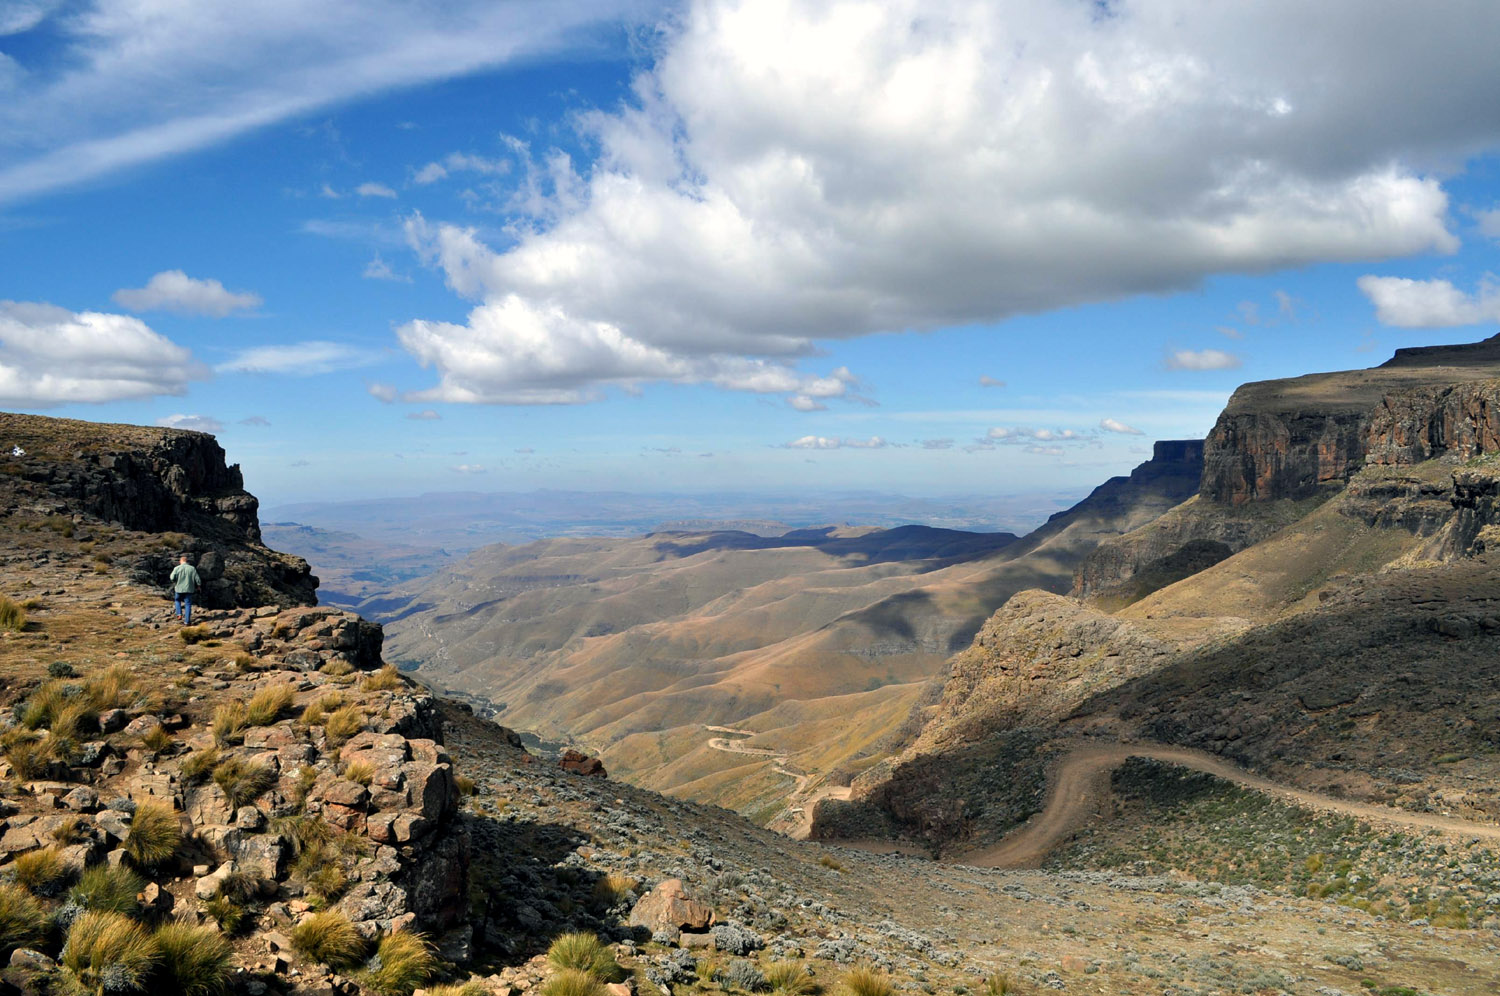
331	938
315	713
157	740
195	960
403	962
229	723
385	680
154	834
194	634
344	723
108	953
790	978
360	772
199	765
28	757
827	861
612	888
572	982
226	912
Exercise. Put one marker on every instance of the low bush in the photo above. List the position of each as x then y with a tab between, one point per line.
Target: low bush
194	960
745	976
23	924
193	634
154	835
108	953
228	723
403	961
331	938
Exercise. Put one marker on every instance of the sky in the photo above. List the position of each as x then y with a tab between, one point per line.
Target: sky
934	248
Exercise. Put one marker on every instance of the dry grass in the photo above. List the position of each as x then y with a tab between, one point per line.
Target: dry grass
267	705
405	962
344	723
41	872
157	740
154	835
571	982
193	634
790	978
315	713
71	830
228	723
12	616
385	680
360	772
612	888
199	765
23	923
109	953
330	938
111	688
28	757
243	781
584	953
107	888
866	980
470	988
196	960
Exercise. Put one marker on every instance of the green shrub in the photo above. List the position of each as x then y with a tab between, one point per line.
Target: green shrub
243	781
108	953
572	982
12	616
329	937
585	953
107	888
42	872
23	924
789	978
866	980
59	669
267	705
225	912
405	961
196	960
154	835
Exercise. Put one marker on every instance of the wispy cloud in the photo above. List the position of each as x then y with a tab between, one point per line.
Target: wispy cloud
1202	359
836	443
173	290
299	358
375	190
1115	425
197	423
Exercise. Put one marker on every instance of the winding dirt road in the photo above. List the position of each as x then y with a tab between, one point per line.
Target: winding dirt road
796	820
1079	782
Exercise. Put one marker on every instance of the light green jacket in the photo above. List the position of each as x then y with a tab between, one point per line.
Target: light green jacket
185	578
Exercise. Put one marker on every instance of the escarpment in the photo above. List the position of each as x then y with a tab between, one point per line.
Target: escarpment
170	483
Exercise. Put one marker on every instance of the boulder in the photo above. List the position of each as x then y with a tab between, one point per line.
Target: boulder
582	764
670	907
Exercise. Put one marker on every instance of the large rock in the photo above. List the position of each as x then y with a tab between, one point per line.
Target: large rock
670	907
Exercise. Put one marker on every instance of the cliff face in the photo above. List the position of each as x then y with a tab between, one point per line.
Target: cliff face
151	480
1461	421
1257	456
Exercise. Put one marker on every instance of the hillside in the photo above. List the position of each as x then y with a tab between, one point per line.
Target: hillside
816	644
1321	614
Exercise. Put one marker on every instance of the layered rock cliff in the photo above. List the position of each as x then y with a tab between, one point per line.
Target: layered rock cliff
169	482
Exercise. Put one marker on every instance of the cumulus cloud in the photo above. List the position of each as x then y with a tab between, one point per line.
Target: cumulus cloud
425	415
835	443
1430	304
1202	359
803	403
469	468
1115	425
136	82
791	172
374	190
301	359
49	355
197	423
173	290
382	391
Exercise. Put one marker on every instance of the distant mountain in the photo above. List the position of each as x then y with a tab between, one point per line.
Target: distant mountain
351	568
819	641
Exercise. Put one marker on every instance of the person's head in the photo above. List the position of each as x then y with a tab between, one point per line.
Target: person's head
182	559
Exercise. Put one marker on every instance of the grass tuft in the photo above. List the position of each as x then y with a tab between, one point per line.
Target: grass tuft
199	765
387	679
344	723
42	872
196	960
405	961
867	980
229	723
12	616
790	978
23	924
154	834
107	889
193	634
243	781
110	689
611	889
267	705
28	758
157	740
225	912
584	952
108	953
572	982
999	985
331	938
360	772
470	988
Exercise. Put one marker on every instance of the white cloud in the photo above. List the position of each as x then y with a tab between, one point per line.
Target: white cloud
379	269
803	403
301	359
791	172
197	423
1489	222
469	468
256	420
1045	450
1202	359
431	173
23	15
49	355
1019	434
425	415
1229	332
1115	425
173	290
834	443
460	162
1430	304
374	190
985	380
133	81
383	392
937	444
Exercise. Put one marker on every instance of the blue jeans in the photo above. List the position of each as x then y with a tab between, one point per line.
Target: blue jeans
182	601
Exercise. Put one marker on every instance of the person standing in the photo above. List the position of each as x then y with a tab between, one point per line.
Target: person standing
185	584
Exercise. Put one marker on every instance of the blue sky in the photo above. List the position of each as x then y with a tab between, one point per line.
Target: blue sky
932	248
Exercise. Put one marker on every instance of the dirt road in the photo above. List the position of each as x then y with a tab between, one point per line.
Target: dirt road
796	820
1079	782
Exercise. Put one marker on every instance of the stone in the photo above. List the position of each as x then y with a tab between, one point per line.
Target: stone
693	939
582	764
208	885
249	818
111	720
670	906
431	789
141	725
